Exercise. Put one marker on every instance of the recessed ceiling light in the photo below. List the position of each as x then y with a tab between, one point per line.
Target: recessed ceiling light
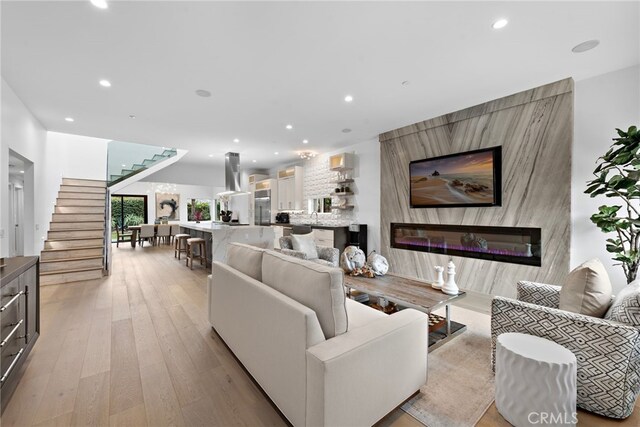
210	155
203	93
305	141
289	127
105	83
69	119
123	165
346	130
276	153
348	98
585	46
132	116
21	171
100	4
236	140
500	23
254	161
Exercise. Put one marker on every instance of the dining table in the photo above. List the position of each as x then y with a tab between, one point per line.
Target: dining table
135	229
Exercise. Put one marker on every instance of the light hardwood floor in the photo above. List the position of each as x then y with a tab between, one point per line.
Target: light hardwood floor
136	349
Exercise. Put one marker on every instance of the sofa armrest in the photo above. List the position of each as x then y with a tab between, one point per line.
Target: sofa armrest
608	353
358	377
329	254
539	294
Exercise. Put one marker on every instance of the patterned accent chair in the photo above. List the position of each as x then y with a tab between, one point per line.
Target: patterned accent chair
326	255
608	353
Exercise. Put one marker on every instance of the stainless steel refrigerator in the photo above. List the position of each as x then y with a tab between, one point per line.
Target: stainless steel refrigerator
262	207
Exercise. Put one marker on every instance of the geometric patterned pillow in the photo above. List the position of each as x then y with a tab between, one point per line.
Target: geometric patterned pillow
626	307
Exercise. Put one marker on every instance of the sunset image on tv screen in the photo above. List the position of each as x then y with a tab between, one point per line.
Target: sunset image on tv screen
458	180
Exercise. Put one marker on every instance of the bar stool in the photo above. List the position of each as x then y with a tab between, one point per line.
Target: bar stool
180	244
202	251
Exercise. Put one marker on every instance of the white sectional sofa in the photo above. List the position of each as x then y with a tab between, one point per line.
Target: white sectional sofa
323	359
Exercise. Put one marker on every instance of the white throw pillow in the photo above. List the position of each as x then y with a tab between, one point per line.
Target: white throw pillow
587	290
305	243
626	307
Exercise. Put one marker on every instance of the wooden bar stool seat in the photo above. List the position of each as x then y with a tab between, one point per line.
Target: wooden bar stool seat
180	244
200	243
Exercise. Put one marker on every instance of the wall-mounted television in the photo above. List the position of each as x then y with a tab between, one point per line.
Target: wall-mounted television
469	179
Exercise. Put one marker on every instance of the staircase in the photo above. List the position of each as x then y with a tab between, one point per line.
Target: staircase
74	249
139	167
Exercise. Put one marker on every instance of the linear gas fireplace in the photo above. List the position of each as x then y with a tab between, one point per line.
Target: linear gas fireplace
518	245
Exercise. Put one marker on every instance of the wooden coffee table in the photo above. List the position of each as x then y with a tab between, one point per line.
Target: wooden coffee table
412	293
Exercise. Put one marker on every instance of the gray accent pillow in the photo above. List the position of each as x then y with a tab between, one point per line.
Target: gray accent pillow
305	243
626	307
587	290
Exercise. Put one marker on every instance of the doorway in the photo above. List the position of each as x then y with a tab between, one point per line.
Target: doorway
127	210
19	169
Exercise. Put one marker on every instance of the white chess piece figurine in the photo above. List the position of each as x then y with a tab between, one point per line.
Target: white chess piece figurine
450	287
440	279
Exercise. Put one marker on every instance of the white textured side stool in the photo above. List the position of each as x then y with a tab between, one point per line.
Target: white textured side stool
535	381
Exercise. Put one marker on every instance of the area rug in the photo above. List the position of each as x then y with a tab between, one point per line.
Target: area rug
460	383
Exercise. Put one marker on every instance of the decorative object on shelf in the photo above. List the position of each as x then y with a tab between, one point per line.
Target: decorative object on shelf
352	258
450	287
622	161
385	306
306	155
440	279
225	216
378	264
337	190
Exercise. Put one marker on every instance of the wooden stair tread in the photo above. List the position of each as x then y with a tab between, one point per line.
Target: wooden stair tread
77	229
71	259
64	239
73	248
75	270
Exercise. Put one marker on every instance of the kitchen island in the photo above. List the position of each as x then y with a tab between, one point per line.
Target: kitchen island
218	235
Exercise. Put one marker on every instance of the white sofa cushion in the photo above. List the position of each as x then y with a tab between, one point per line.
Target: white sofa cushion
246	259
360	314
316	286
587	290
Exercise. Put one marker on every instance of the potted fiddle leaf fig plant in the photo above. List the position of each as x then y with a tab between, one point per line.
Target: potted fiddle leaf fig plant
617	175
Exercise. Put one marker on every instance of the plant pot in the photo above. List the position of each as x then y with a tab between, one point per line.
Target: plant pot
225	218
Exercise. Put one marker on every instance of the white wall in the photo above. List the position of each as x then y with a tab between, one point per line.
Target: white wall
54	155
22	133
186	192
602	103
184	172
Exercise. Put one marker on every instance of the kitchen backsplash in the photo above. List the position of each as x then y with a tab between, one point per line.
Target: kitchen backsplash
319	182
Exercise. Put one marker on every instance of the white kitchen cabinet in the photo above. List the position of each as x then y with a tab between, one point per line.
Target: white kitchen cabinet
290	188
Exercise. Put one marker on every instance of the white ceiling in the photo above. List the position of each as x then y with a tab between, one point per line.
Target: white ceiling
268	64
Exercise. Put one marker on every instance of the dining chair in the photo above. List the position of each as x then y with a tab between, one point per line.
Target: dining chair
148	233
175	229
164	233
122	236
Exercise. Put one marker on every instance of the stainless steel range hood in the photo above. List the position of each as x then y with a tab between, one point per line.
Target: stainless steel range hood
231	174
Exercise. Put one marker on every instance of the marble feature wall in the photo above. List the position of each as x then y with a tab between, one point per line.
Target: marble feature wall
535	130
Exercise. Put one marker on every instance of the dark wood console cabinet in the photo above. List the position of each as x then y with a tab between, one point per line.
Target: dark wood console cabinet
19	319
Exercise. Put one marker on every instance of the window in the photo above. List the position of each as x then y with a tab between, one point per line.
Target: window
126	211
198	210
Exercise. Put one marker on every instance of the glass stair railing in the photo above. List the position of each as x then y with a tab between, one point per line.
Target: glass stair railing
121	157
